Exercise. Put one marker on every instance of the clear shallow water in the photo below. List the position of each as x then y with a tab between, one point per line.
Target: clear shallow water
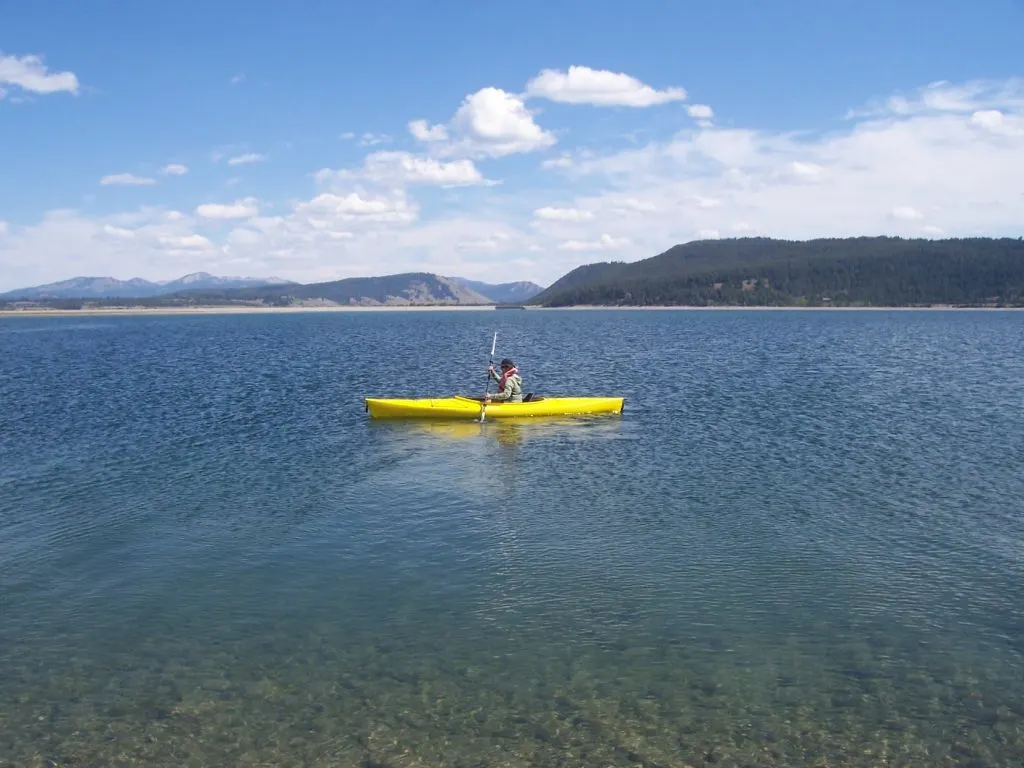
802	544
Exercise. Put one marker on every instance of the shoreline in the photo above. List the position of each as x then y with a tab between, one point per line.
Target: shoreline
745	308
40	312
127	311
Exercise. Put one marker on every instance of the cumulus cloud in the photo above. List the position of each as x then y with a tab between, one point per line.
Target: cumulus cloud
707	202
30	74
599	88
935	150
800	170
126	179
240	209
421	131
547	213
121	233
354	207
185	242
994	121
700	111
174	169
404	168
247	158
906	213
489	123
144	242
604	243
944	161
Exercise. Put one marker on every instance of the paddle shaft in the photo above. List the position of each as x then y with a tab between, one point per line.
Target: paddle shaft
487	386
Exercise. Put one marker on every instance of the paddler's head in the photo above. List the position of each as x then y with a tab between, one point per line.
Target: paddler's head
507	365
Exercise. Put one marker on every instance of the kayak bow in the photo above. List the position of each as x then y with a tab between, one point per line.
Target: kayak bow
460	407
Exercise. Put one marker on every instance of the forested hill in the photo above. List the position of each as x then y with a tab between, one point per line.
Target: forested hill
863	271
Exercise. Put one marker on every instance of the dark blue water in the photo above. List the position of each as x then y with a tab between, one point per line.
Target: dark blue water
801	544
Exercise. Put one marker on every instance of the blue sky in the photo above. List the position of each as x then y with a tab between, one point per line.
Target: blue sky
153	139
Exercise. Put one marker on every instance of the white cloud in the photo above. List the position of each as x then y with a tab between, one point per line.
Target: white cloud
354	207
950	154
945	97
3	228
118	232
239	78
185	242
373	139
347	135
174	169
489	123
247	158
701	111
403	168
126	179
598	87
563	214
632	204
240	209
996	122
604	243
29	73
906	213
563	161
945	158
489	244
64	243
804	170
423	132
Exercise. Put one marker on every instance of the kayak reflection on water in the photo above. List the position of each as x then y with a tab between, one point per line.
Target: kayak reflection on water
508	432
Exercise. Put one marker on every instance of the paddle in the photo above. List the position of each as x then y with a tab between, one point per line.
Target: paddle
490	362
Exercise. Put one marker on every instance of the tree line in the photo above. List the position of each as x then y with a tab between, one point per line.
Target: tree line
880	271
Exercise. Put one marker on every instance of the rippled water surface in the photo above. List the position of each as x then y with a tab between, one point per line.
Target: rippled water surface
801	544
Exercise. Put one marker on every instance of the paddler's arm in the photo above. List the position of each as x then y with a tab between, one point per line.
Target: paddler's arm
504	394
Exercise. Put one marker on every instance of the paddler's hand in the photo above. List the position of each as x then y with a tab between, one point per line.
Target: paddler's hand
487	398
490	369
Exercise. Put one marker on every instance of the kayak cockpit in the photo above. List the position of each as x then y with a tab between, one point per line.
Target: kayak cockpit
530	397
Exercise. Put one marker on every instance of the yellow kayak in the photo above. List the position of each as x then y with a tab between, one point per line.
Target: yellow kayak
459	407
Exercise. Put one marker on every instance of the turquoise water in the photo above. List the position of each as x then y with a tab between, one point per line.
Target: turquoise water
801	544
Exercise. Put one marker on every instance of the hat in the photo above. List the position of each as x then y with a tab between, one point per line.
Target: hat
506	363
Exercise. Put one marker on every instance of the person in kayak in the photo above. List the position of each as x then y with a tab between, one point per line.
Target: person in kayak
510	384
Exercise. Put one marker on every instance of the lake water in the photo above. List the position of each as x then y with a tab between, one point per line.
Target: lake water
801	544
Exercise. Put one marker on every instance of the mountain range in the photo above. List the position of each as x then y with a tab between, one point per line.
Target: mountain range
110	287
750	271
202	287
